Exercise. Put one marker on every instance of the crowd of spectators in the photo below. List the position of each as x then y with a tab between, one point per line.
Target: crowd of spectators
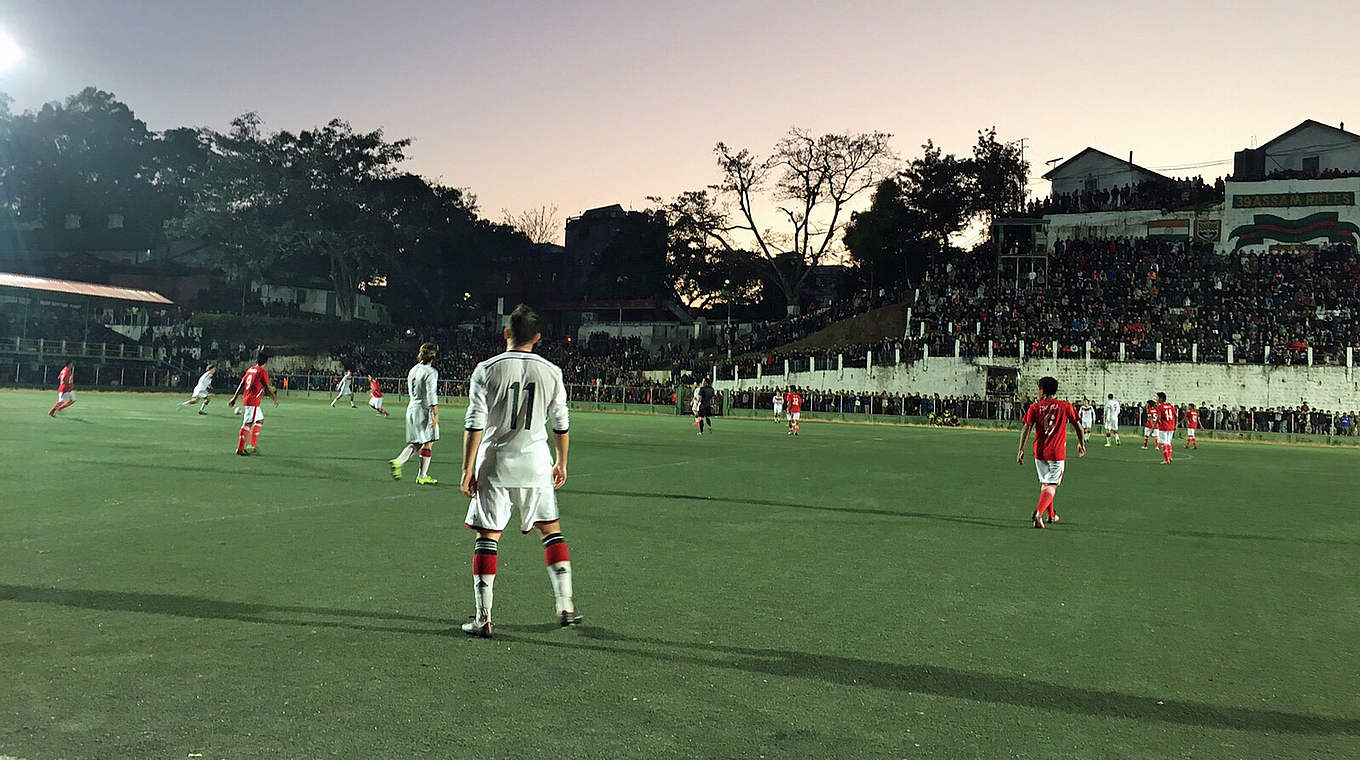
1149	194
1140	292
1305	174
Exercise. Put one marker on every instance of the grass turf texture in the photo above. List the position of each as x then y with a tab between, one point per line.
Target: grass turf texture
856	591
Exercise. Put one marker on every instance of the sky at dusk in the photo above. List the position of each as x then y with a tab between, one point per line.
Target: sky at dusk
582	104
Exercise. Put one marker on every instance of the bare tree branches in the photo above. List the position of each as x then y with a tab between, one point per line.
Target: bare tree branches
810	179
540	225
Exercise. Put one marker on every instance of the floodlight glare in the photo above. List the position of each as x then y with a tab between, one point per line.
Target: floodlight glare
10	54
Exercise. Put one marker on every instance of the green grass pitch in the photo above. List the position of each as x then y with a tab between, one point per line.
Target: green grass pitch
860	591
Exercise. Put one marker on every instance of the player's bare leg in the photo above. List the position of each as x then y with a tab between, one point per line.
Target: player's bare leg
483	580
558	559
204	408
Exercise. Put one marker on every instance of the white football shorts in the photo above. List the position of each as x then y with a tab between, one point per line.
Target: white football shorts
66	396
253	415
1147	432
795	416
490	509
201	392
418	427
1189	432
1112	427
375	402
1050	473
1164	437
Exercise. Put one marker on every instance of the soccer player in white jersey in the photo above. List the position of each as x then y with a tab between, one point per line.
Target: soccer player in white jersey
203	390
422	415
694	403
1087	414
507	465
1111	420
345	388
778	405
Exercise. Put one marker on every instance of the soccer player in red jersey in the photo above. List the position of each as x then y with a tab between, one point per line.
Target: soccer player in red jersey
1191	424
1149	422
65	389
1048	418
1166	426
375	397
254	384
794	404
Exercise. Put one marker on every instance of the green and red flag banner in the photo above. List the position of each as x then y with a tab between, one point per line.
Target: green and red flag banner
1324	224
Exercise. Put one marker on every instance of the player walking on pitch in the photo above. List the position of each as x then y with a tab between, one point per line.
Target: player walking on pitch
375	396
778	406
1149	422
507	465
1111	420
1191	425
254	384
794	402
1048	418
66	389
1166	426
422	415
202	390
345	388
704	412
1087	413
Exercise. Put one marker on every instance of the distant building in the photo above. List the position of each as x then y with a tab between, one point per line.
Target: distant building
613	253
1094	170
1309	151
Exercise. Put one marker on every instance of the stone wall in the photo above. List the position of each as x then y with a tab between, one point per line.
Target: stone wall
1334	388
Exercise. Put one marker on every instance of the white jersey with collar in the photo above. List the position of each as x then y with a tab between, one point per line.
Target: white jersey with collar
511	398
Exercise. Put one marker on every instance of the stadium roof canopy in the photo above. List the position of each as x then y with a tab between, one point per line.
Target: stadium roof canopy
71	287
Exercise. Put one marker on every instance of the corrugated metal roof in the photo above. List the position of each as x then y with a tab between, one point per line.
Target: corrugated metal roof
27	282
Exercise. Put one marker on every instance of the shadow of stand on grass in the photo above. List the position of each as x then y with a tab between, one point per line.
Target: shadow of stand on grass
828	668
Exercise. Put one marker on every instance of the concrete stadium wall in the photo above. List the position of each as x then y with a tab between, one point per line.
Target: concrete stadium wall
1333	388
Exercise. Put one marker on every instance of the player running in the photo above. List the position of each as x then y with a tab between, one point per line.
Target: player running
778	404
704	411
66	393
1111	420
1048	418
375	397
1149	422
1191	424
794	402
254	384
202	390
507	464
1166	426
1087	413
422	415
345	388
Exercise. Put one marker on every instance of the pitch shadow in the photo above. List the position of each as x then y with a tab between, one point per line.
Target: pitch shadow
959	684
832	669
985	522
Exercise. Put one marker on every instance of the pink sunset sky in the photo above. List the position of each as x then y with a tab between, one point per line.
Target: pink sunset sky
582	104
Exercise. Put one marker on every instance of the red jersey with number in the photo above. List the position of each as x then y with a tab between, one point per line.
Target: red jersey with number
254	384
1191	419
794	402
65	380
374	389
1049	417
1151	419
1166	416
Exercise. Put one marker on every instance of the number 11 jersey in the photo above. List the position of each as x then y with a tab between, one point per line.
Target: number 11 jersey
510	399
